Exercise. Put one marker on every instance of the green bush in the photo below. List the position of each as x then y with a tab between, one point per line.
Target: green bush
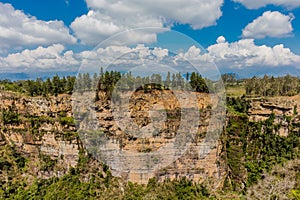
67	121
10	117
295	194
47	164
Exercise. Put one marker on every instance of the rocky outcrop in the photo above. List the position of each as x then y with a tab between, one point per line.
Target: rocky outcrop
285	109
261	108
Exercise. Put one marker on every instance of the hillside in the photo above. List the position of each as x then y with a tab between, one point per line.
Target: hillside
39	143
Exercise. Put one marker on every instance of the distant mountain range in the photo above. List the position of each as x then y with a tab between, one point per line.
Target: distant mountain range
33	76
260	71
240	73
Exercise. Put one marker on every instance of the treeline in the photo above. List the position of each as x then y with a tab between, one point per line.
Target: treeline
39	87
109	80
271	86
106	81
231	79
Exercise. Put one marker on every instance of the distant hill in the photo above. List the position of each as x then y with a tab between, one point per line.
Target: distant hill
14	76
25	76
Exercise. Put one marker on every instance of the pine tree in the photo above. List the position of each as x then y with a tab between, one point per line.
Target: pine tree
57	87
167	82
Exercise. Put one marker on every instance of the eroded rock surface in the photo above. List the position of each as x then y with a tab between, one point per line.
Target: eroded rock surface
56	136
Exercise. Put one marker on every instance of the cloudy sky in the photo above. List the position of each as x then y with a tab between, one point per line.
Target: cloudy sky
248	37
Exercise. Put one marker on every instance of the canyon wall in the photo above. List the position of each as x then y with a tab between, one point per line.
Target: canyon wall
44	128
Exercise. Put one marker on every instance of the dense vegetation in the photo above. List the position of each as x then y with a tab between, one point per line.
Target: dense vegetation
105	81
56	85
271	86
253	148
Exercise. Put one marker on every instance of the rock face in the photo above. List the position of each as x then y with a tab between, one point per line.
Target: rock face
138	152
286	111
43	128
38	132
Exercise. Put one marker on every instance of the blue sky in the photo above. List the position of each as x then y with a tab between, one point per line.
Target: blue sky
248	37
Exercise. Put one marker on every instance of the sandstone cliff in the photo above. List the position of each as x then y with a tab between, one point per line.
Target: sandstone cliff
39	132
44	129
285	109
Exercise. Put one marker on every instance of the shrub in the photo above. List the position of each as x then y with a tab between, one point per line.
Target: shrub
10	117
67	121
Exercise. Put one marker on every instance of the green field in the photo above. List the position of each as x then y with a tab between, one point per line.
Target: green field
235	91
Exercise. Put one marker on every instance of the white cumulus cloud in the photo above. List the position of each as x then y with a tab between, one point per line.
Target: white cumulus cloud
241	54
221	39
40	59
254	4
121	55
95	27
107	17
18	30
56	58
270	24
